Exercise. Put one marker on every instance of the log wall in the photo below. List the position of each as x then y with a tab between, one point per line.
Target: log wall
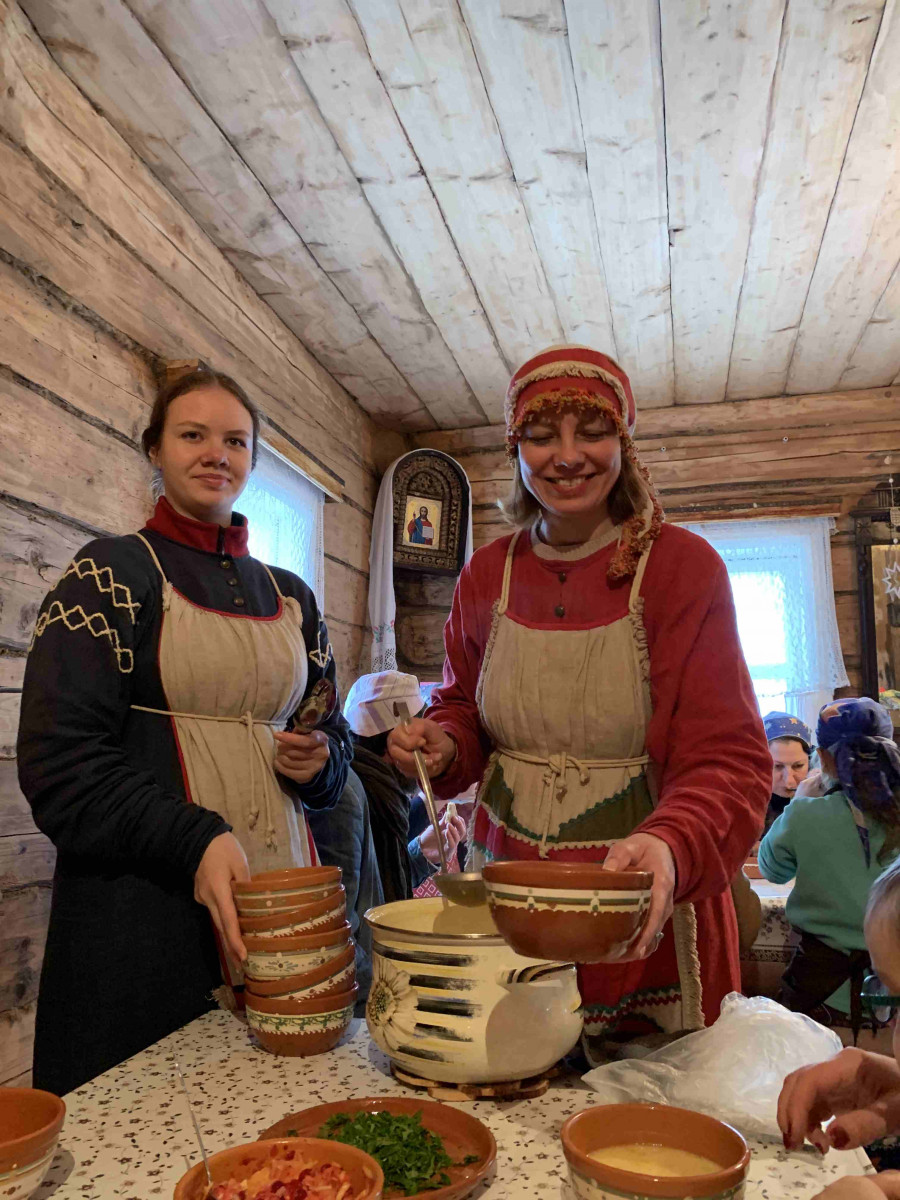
103	276
786	456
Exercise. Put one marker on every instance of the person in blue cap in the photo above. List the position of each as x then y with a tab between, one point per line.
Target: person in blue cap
835	846
790	744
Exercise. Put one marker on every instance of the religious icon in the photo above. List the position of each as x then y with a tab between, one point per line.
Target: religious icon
422	522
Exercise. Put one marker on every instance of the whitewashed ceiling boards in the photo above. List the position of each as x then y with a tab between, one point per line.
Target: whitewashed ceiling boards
427	190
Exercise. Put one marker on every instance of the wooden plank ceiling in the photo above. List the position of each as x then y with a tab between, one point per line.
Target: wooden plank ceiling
426	191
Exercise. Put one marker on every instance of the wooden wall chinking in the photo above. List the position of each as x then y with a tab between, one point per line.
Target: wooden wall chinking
102	276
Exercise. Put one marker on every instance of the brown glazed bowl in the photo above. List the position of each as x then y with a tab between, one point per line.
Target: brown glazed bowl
336	975
277	957
468	1141
660	1125
30	1121
239	1163
321	915
276	890
300	1028
566	911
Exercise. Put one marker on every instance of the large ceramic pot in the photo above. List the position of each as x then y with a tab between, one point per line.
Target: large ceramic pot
451	1001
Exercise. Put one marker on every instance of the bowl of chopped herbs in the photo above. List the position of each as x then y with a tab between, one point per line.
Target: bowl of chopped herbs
426	1150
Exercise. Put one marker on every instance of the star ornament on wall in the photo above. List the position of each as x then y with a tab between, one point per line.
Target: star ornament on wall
891	580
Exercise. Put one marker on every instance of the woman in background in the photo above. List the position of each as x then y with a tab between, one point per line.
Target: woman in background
836	846
163	669
594	682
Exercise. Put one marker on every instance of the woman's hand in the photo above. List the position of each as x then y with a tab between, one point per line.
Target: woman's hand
645	852
223	861
438	748
860	1089
453	830
863	1187
301	756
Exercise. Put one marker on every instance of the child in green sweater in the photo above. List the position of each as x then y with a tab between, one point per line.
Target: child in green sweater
836	845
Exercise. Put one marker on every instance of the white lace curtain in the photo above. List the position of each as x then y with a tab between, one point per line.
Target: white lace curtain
285	511
780	572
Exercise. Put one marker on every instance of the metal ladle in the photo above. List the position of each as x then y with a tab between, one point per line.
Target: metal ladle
465	888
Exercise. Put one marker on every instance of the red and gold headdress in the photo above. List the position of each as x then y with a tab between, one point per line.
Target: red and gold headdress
576	375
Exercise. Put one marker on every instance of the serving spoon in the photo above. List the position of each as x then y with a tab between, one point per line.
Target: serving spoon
207	1195
465	888
316	708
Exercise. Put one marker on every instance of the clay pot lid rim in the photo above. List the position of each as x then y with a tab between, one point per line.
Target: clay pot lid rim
700	1186
9	1148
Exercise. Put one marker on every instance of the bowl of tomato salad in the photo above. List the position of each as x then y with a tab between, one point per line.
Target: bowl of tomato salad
286	1169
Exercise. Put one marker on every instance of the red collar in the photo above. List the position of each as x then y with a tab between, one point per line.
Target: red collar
201	535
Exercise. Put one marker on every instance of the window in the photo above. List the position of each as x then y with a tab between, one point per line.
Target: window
285	512
780	572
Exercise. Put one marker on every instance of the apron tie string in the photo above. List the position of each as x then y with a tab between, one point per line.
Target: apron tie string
555	787
248	720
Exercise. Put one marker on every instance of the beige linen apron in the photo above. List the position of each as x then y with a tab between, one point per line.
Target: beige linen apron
567	711
230	682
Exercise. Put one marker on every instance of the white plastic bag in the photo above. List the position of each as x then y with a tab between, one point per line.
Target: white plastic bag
733	1070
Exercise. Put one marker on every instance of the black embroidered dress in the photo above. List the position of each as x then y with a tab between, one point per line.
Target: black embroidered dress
130	955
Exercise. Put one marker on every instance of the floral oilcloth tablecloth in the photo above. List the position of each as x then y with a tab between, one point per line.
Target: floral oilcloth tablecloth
127	1135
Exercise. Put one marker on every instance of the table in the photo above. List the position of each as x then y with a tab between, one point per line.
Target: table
127	1133
763	964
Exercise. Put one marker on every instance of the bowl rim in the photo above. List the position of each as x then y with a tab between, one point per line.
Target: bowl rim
300	912
50	1129
298	941
290	880
698	1186
323	972
340	1001
373	1192
613	881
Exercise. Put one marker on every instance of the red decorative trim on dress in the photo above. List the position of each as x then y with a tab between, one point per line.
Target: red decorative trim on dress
232	615
200	535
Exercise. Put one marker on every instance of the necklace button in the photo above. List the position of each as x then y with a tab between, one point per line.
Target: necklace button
563	576
560	610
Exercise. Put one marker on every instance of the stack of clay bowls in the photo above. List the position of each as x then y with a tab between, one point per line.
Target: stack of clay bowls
300	973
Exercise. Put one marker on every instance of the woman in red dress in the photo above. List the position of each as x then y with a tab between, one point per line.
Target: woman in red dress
594	683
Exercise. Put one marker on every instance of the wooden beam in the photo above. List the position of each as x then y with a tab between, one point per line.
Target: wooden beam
423	53
136	88
718	64
15	812
242	74
16	1041
330	52
523	55
34	551
822	65
53	458
861	246
79	208
804	415
618	73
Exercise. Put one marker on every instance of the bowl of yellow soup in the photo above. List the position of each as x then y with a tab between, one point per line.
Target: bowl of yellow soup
634	1151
